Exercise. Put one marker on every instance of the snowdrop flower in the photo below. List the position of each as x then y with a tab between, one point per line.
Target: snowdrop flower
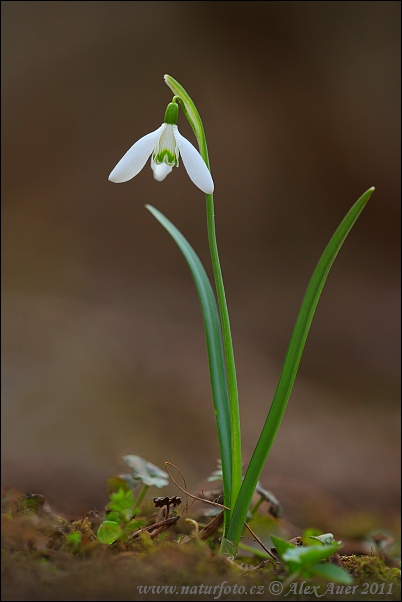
164	144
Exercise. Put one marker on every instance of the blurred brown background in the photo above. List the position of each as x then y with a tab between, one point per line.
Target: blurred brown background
103	344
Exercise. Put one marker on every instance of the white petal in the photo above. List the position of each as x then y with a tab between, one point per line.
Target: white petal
160	170
136	157
194	163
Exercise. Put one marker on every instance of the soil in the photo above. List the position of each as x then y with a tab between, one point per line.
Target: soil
46	556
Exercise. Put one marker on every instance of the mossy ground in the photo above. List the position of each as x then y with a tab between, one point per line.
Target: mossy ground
41	561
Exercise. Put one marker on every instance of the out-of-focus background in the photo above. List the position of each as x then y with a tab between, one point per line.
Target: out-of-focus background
103	344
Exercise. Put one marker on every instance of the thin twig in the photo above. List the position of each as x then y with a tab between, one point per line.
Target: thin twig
163	523
257	539
186	492
212	526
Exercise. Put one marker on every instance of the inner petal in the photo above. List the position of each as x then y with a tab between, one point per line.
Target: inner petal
160	170
166	150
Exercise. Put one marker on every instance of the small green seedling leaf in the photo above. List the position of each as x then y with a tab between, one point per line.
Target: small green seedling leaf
109	532
309	555
307	561
114	517
122	503
308	533
327	539
145	472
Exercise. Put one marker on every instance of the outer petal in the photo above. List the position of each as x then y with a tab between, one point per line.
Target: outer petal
194	163
160	170
136	157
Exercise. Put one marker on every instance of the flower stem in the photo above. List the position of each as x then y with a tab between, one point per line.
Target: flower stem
194	119
141	496
229	354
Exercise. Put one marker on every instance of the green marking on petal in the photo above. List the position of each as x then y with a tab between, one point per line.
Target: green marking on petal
165	156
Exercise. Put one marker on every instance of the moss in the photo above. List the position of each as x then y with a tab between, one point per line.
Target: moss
370	569
46	557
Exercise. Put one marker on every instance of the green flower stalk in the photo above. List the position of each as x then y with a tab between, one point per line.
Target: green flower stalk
194	119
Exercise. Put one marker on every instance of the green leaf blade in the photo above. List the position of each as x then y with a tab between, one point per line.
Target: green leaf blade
290	366
214	345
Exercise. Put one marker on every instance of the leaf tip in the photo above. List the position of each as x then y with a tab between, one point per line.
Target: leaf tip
168	80
370	191
367	194
153	211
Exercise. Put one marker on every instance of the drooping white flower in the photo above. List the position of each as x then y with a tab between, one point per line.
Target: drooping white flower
165	145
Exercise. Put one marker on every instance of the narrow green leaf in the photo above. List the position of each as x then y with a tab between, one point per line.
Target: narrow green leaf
290	367
214	345
227	548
